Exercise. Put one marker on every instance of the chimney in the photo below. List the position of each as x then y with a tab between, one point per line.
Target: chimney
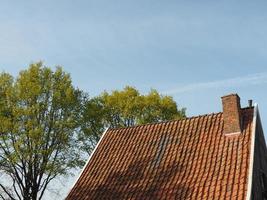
232	118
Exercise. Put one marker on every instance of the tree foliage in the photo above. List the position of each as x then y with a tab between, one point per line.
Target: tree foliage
123	109
38	119
45	123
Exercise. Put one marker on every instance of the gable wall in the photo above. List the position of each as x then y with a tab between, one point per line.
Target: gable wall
260	162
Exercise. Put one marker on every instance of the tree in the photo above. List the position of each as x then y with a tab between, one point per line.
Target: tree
38	119
123	109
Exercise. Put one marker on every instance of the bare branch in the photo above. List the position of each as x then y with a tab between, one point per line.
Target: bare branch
7	193
15	189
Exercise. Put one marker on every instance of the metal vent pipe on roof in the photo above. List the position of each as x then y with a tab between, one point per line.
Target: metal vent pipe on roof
250	103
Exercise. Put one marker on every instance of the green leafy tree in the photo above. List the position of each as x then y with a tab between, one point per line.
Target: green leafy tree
38	119
123	109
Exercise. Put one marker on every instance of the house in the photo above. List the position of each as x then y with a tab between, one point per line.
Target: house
214	156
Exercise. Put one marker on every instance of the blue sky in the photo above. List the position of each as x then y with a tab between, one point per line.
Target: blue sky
196	51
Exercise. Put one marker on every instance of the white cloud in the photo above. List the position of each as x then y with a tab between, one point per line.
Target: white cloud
252	79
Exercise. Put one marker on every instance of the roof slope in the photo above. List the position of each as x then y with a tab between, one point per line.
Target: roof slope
182	159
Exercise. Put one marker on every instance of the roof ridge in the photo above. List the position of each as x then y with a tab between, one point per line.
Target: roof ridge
168	121
174	120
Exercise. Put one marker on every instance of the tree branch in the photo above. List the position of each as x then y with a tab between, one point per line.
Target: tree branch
8	194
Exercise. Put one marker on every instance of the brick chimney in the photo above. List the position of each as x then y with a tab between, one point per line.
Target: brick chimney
232	118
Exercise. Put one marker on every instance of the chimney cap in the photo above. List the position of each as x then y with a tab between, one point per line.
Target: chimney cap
228	95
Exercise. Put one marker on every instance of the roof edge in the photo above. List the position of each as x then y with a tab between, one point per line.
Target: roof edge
252	147
87	161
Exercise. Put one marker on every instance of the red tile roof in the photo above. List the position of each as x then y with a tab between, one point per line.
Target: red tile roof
182	159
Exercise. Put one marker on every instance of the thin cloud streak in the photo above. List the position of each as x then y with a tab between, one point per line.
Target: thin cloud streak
252	79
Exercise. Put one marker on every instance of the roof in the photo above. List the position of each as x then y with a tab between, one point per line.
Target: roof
180	159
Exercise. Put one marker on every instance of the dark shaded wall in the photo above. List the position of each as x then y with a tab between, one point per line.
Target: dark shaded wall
259	180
